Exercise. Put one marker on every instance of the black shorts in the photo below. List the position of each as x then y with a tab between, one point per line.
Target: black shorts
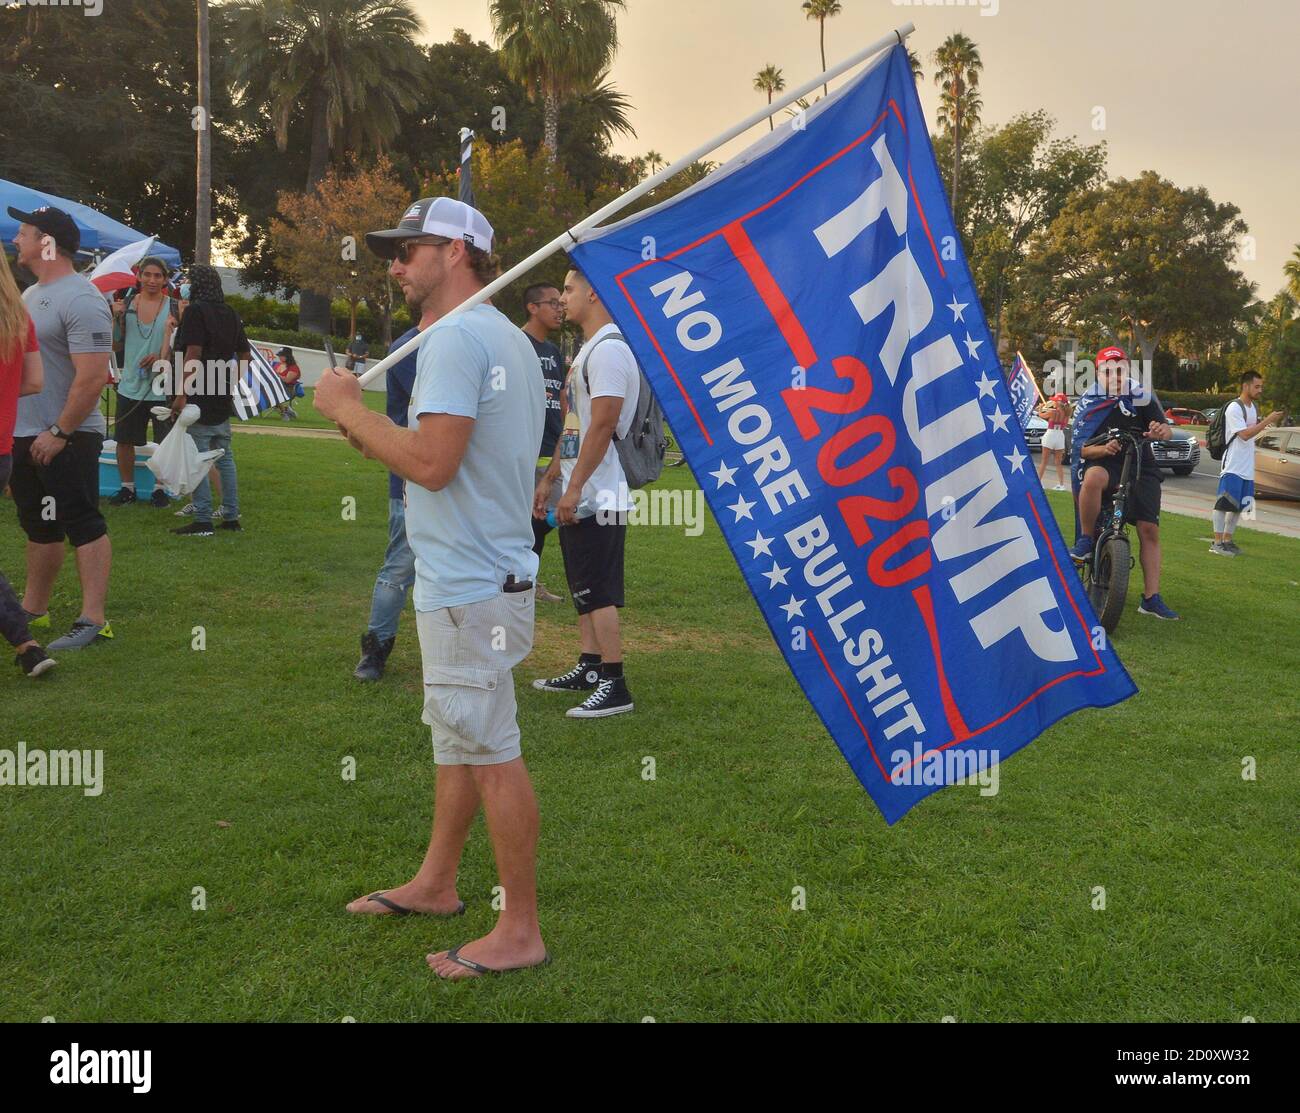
1144	495
60	501
593	562
132	422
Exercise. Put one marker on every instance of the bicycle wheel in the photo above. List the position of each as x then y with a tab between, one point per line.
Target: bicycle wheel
1109	587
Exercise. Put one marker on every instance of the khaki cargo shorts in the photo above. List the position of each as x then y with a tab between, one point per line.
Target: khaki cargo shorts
469	691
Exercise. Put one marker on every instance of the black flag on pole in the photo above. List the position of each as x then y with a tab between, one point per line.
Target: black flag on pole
466	172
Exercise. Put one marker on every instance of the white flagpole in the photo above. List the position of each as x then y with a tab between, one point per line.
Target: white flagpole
571	236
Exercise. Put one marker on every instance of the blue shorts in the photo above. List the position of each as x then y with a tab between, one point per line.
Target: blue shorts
1234	492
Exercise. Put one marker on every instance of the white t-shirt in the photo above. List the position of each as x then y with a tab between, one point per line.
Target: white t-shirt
613	372
1239	459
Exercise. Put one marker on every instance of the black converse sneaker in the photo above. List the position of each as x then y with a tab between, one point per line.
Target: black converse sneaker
611	697
580	678
124	497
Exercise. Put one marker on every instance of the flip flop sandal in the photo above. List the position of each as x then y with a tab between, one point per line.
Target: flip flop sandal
460	960
399	910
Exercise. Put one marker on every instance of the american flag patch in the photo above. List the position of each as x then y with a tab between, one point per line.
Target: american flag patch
104	338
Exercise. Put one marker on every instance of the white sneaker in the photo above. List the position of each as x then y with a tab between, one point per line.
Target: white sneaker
1059	487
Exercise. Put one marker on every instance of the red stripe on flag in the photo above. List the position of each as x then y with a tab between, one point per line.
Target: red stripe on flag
773	297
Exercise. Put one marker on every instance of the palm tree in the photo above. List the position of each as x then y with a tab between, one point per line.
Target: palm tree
957	75
1292	271
558	49
345	67
769	80
203	155
914	60
821	11
609	107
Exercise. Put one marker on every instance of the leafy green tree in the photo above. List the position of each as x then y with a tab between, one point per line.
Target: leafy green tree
99	111
1292	271
1143	256
557	50
957	74
1019	179
770	80
341	69
821	11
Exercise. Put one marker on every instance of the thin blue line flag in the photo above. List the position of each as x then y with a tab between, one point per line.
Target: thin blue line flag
809	324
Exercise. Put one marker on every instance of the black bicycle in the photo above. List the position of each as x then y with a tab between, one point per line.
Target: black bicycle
1106	572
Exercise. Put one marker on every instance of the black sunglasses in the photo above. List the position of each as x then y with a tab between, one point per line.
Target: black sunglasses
403	251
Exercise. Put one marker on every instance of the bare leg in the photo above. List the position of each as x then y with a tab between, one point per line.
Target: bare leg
604	623
587	632
1094	485
93	564
1060	468
1149	553
1045	456
43	564
126	462
511	809
433	889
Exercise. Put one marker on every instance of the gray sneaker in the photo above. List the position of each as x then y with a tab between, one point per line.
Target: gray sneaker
1219	549
185	511
83	633
1231	546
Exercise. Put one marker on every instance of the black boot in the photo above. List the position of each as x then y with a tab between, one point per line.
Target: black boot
374	657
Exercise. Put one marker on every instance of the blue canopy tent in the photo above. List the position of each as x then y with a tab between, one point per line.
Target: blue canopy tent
99	234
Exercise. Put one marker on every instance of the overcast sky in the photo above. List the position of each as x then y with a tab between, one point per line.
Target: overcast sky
1203	91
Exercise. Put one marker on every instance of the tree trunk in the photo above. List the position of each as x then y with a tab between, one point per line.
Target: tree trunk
822	23
203	154
551	136
956	162
770	126
314	306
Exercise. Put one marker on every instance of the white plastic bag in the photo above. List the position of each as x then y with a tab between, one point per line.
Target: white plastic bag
178	463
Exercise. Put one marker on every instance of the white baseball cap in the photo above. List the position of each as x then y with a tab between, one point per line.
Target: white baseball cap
434	216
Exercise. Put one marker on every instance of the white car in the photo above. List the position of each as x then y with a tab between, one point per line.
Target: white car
1034	434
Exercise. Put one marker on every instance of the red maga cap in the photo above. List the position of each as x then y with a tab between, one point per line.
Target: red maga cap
1111	355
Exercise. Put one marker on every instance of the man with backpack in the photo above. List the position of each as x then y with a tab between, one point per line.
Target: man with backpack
1230	438
609	426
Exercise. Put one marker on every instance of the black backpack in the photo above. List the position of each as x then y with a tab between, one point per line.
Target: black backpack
1216	438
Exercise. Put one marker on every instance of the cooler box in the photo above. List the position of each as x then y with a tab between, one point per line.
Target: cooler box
110	482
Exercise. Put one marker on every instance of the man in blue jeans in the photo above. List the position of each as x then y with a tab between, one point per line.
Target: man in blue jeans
216	351
397	575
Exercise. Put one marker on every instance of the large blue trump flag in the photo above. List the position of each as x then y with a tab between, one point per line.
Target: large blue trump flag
811	328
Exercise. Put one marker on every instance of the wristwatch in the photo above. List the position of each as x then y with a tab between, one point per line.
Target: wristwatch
54	429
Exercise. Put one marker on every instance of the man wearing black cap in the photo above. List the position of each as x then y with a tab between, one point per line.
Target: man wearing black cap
60	431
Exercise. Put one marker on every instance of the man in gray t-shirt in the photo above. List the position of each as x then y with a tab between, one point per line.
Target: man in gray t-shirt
71	318
60	431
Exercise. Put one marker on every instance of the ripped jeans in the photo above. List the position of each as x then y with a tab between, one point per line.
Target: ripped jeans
396	577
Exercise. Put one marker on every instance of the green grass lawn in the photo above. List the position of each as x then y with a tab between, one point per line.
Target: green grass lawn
668	898
307	418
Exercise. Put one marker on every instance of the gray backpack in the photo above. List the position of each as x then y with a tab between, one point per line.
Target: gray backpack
641	452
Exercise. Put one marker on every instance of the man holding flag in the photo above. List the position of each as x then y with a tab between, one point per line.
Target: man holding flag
468	458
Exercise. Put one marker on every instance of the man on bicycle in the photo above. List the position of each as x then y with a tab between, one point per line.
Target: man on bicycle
1116	403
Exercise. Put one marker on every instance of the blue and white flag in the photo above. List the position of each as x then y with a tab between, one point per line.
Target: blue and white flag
809	324
1025	395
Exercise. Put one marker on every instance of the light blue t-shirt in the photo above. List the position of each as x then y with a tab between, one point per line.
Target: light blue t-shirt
468	537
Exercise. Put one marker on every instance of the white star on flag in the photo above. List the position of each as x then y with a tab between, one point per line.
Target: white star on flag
742	509
958	308
724	475
986	385
792	608
761	545
1016	460
777	575
999	419
972	346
